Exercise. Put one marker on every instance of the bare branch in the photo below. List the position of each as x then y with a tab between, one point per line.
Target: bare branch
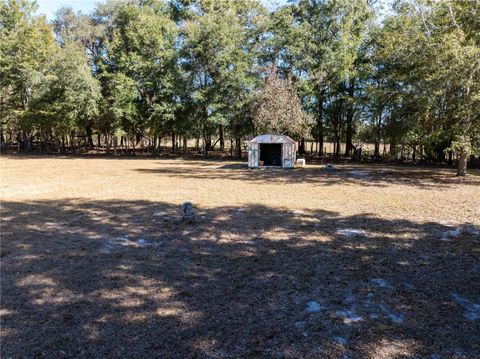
452	14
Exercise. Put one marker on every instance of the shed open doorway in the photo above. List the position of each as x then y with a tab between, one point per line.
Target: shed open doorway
271	154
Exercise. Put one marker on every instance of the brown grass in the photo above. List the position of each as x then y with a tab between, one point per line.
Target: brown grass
96	261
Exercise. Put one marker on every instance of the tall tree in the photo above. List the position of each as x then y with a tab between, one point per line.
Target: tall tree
68	97
142	56
429	53
278	108
219	55
320	43
25	47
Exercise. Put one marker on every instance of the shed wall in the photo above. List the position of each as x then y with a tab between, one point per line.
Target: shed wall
288	155
253	154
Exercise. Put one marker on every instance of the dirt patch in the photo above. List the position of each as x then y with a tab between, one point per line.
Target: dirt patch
96	261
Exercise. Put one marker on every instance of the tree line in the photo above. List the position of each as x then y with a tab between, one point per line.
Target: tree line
134	72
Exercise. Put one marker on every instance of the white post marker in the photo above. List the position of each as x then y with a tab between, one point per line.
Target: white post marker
301	162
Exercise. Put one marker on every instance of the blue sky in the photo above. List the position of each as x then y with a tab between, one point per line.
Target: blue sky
48	7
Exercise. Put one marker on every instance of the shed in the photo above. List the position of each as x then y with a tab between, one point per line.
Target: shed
272	150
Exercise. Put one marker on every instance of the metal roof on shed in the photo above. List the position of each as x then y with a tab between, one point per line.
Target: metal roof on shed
268	138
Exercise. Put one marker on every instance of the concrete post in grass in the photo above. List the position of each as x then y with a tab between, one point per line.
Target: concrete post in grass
187	210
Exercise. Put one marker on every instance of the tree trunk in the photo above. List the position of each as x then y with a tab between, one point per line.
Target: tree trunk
440	151
462	163
47	142
301	149
376	154
208	142
185	145
28	141
154	145
207	139
350	113
320	125
72	142
88	130
238	147
22	141
173	142
2	141
378	139
359	154
221	134
393	150
338	124
337	153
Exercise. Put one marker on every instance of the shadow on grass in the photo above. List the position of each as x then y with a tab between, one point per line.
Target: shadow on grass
129	279
364	175
379	175
165	155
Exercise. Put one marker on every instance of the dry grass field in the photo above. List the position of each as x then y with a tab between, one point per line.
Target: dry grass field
355	262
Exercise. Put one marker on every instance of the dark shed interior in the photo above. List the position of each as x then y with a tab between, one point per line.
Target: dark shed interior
271	154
